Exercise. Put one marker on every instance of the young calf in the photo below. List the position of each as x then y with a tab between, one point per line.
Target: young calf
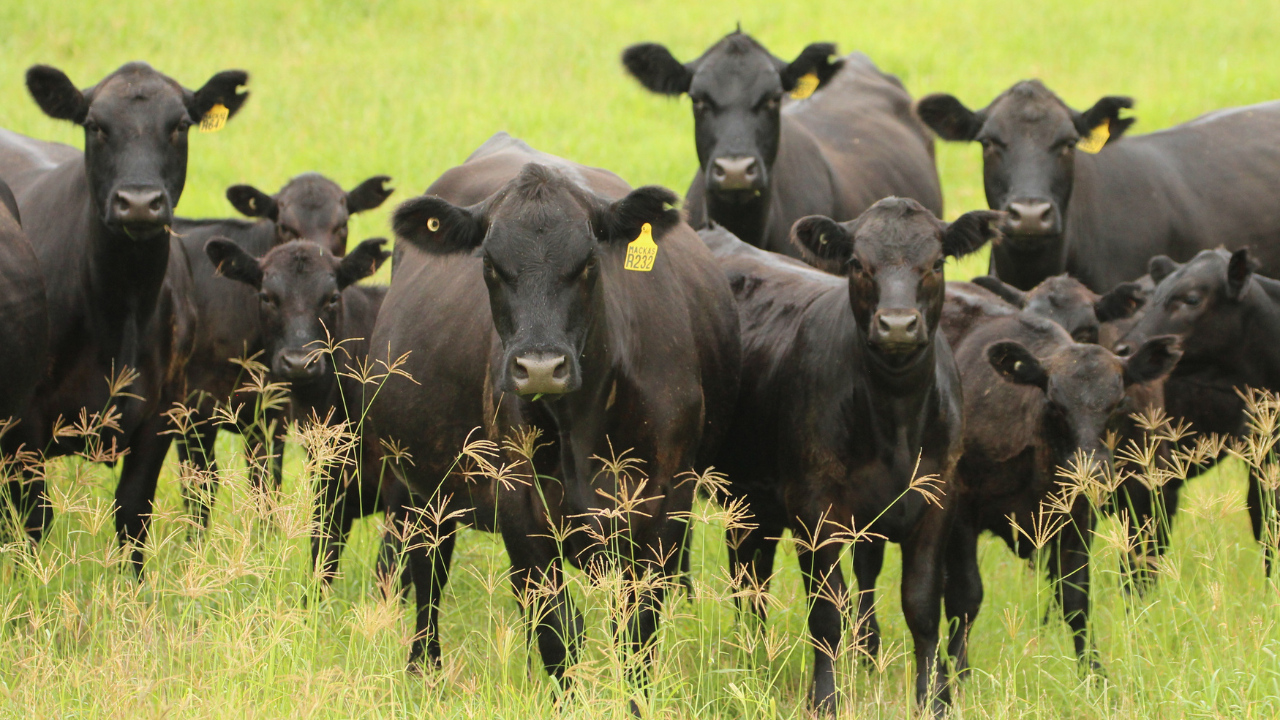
309	303
849	396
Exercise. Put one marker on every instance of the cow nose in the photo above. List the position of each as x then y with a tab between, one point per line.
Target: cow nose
898	327
140	206
540	374
735	173
1032	218
297	365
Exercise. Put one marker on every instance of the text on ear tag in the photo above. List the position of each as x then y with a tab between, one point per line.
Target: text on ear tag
642	251
214	119
805	86
1097	138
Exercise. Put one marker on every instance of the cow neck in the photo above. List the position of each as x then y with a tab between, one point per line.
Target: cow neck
1258	364
899	399
746	220
1025	269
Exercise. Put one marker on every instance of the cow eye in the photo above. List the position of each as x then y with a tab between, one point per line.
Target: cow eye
342	229
701	104
772	103
939	265
289	232
1191	299
96	129
335	297
587	268
1087	336
856	265
266	299
489	270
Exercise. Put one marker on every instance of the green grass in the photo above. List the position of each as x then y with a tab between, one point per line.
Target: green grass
233	628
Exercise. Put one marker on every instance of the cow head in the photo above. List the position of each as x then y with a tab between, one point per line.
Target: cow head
1067	301
300	288
1084	388
1204	302
136	122
737	89
542	239
311	207
1029	139
894	255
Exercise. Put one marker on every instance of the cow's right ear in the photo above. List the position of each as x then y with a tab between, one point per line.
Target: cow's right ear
1006	292
948	117
1161	267
231	261
816	59
361	262
1120	302
252	202
369	194
1239	269
824	240
657	69
437	226
1015	363
56	95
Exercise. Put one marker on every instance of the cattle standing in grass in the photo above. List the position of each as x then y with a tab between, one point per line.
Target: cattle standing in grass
849	396
765	161
1100	217
309	207
24	312
99	222
315	324
518	313
1035	401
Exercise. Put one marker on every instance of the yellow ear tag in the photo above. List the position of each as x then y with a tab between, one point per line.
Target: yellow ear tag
214	119
805	86
642	251
1093	144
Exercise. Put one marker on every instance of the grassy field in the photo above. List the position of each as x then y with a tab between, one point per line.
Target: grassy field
234	627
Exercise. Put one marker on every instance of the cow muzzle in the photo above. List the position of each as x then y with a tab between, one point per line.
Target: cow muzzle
141	212
1032	217
735	174
299	365
897	332
541	374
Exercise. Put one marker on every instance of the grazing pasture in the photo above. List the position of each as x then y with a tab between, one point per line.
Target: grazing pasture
239	625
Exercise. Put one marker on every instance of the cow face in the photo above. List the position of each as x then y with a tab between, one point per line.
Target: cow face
300	288
1202	302
311	207
136	122
894	255
1028	139
542	239
737	88
1066	301
1084	388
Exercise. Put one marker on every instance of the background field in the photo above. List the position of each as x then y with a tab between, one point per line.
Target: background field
353	89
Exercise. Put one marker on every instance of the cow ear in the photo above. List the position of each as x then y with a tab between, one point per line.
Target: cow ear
56	95
437	226
252	202
1105	111
623	219
220	90
1161	267
369	194
657	69
826	243
9	202
1015	363
971	231
1154	360
1121	302
1239	269
948	117
231	261
816	59
361	262
1008	293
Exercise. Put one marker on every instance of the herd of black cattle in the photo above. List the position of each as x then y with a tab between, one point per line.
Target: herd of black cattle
790	328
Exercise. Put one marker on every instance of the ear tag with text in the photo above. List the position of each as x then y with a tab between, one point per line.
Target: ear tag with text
214	119
1093	144
805	86
642	251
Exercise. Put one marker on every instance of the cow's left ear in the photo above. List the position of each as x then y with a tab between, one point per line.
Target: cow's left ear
220	90
439	227
369	194
1239	269
816	59
828	243
252	202
1015	363
1154	360
623	219
657	69
1107	110
1120	302
231	261
361	262
971	231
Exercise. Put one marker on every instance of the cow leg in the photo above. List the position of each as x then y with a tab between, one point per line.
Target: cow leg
398	504
332	520
30	505
429	560
868	559
136	493
922	588
963	593
1264	516
196	450
751	556
1069	572
538	581
828	597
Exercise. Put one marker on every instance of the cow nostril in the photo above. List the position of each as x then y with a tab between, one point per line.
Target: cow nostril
561	370
1123	350
1014	215
518	369
912	323
882	324
157	204
1044	214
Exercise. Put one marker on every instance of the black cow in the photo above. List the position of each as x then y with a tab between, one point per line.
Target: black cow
765	162
308	303
1066	301
849	396
1100	217
1227	316
24	312
517	313
309	207
99	222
